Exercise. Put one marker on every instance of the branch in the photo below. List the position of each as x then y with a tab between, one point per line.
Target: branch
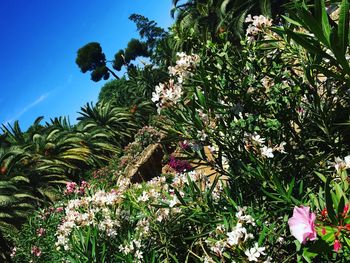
112	72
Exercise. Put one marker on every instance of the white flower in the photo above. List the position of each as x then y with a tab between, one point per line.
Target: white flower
244	218
236	234
267	151
342	164
155	97
173	201
280	147
257	138
254	253
280	240
201	135
144	197
138	254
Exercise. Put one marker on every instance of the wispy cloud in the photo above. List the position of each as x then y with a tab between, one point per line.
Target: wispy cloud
27	108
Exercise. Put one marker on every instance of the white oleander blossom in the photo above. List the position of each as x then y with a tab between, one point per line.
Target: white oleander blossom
256	25
341	164
267	152
238	234
169	93
92	210
255	252
242	217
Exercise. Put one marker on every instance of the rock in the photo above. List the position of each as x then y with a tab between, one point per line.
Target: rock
148	165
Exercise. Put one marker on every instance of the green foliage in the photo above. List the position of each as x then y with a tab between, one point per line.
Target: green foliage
91	58
266	111
148	30
119	60
110	90
134	49
184	220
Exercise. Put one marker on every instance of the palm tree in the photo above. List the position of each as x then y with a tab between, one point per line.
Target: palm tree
209	18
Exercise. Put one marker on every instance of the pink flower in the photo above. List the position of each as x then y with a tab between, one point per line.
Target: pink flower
70	187
36	251
41	231
337	245
59	209
302	224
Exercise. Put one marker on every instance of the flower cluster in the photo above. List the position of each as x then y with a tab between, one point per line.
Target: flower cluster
222	241
178	165
36	251
134	248
89	210
167	94
340	164
256	25
170	93
72	187
257	143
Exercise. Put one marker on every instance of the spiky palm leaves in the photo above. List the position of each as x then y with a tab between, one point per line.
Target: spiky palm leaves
200	20
35	162
16	202
116	122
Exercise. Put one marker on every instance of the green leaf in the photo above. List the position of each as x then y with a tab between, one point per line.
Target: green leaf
321	176
291	21
341	205
343	26
329	203
322	19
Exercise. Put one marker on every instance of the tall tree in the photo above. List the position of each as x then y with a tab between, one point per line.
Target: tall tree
91	58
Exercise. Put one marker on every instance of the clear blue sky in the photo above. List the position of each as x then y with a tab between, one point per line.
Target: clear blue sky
39	42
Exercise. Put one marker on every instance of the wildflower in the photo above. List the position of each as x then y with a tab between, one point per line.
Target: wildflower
59	209
280	240
256	25
254	253
267	152
280	147
138	254
244	218
302	224
173	201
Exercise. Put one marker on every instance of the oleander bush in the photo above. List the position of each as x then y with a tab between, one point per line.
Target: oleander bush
268	113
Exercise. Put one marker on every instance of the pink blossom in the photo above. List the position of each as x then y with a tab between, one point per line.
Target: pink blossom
41	231
70	187
337	245
302	224
59	209
36	251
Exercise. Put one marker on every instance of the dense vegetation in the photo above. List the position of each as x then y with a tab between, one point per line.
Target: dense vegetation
249	103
